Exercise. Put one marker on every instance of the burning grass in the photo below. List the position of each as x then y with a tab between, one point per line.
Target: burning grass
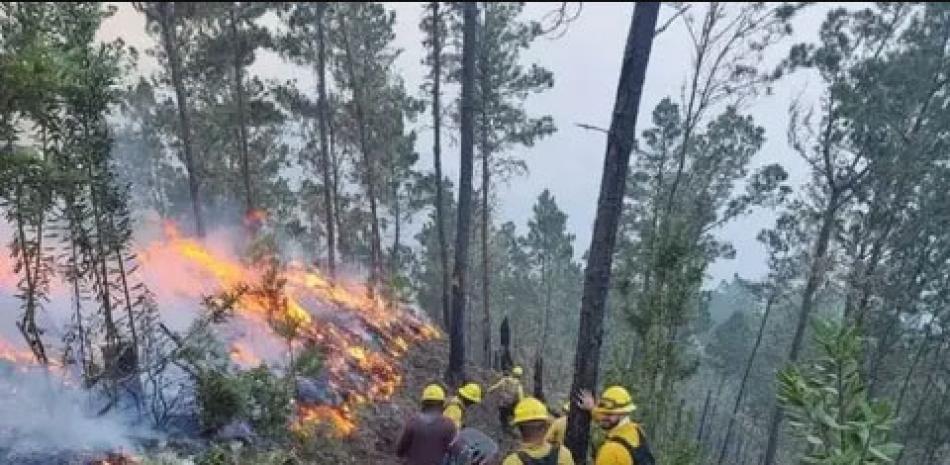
350	344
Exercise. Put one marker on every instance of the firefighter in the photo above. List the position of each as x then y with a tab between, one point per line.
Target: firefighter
468	395
428	436
532	418
626	444
558	427
512	393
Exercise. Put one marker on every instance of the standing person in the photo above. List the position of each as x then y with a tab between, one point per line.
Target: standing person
558	428
532	418
468	395
427	437
626	444
512	393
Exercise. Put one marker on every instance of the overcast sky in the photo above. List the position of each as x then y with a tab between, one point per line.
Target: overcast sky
586	64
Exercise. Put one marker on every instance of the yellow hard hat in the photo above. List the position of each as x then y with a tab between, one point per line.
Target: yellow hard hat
471	392
530	409
517	371
615	401
434	393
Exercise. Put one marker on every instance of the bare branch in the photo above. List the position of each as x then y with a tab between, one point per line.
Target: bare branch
680	10
591	127
559	19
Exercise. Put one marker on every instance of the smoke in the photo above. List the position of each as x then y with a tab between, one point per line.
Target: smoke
40	414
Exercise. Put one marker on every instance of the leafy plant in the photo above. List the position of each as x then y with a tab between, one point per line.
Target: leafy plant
827	404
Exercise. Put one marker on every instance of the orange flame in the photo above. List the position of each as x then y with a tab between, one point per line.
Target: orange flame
16	356
362	337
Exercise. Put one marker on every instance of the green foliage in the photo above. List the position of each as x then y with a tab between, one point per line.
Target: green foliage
309	362
256	395
827	404
220	399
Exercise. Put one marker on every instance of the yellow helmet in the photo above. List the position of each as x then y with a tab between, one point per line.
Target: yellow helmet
471	392
615	401
434	393
530	409
517	371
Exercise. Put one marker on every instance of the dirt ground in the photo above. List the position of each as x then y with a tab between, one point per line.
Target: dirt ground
380	425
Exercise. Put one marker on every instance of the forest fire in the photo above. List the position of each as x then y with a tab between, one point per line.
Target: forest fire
359	337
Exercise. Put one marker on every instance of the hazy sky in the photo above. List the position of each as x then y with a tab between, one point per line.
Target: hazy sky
586	64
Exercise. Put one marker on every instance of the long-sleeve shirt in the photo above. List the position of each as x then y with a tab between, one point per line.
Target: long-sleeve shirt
455	411
511	384
425	439
614	453
540	451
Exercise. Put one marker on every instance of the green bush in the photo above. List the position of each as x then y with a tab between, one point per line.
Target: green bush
256	395
221	399
827	404
309	362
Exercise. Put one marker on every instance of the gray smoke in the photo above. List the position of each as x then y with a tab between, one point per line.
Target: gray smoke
43	415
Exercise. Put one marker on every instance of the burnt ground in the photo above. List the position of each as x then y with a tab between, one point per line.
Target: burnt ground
380	424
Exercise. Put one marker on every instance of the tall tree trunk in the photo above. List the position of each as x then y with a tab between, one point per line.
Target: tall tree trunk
620	141
368	164
456	370
486	212
485	85
745	376
238	45
815	274
329	189
437	156
166	11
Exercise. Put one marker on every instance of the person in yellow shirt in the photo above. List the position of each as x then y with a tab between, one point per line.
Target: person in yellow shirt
532	418
558	428
626	444
468	395
512	391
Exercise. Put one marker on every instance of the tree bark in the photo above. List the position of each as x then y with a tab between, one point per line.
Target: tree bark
815	274
437	156
238	44
168	23
329	186
620	141
456	370
485	84
368	165
745	376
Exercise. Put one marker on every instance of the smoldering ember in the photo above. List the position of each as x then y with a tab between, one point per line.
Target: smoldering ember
474	233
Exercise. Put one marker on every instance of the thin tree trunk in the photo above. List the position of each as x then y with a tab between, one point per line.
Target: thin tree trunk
27	323
456	370
745	376
238	44
166	11
702	418
620	141
368	164
329	188
815	274
485	84
437	156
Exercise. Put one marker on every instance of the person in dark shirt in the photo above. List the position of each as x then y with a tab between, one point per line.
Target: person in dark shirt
428	436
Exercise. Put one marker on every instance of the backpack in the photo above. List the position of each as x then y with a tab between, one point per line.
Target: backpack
475	448
641	454
550	459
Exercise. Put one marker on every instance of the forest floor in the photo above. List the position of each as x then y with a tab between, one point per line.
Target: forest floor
379	426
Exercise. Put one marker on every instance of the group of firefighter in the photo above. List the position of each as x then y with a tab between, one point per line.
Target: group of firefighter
432	437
